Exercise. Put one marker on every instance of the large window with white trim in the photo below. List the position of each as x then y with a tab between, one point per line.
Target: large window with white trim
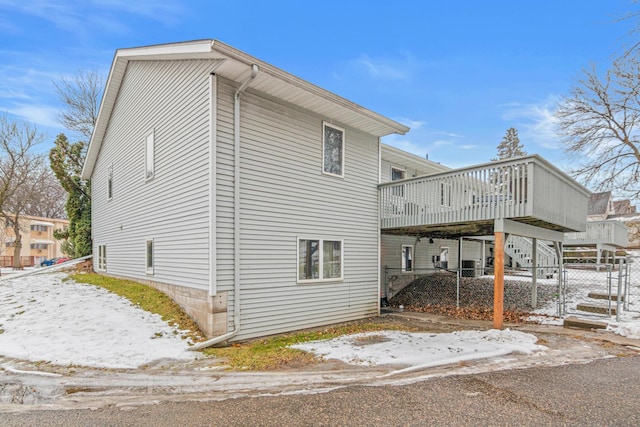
319	260
332	150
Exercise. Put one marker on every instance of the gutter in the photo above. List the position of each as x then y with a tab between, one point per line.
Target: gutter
236	219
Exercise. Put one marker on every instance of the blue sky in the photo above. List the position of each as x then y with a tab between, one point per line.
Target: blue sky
459	73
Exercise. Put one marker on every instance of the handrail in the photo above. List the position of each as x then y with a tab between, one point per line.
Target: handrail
525	187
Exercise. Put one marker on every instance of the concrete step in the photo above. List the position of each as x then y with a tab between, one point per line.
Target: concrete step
605	296
596	308
574	322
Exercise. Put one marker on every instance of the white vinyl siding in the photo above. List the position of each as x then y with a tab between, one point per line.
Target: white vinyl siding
170	100
281	191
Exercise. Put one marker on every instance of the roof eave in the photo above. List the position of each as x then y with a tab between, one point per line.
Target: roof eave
214	49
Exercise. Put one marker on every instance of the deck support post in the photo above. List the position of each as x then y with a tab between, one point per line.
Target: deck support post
498	280
534	273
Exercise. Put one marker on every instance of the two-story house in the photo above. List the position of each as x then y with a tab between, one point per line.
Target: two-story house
254	198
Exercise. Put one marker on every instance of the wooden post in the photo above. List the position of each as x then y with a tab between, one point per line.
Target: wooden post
498	280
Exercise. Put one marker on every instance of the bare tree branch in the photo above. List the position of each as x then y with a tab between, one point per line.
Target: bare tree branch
81	95
599	124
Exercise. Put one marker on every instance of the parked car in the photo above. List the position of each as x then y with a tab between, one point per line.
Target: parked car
61	260
48	262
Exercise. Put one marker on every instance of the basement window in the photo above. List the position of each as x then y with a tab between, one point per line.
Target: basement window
149	256
102	257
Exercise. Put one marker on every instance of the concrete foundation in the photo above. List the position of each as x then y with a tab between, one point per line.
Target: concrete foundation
209	312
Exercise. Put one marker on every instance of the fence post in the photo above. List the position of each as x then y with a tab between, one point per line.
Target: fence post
458	273
609	278
619	289
627	272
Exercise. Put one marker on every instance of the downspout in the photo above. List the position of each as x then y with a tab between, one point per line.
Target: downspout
236	218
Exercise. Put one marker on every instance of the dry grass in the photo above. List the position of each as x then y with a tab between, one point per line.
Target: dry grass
147	298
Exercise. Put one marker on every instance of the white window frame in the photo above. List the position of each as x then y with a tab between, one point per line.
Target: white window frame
102	257
110	183
150	157
403	259
320	279
149	252
326	125
404	173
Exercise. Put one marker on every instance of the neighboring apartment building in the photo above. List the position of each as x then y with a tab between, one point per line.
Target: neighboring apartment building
255	199
38	243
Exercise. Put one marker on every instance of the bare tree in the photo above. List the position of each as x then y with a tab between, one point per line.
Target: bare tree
599	123
81	94
17	206
17	166
49	200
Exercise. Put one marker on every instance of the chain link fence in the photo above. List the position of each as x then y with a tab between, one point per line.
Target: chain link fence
605	290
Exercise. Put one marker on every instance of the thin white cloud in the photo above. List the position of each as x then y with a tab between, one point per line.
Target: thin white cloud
468	147
387	69
381	69
86	19
43	115
166	12
536	123
413	124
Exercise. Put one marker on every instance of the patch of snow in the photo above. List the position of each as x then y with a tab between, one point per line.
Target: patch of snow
419	350
46	318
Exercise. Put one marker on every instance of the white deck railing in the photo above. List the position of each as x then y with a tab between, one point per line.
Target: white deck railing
526	187
599	232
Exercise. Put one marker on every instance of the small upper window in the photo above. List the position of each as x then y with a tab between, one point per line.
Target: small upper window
333	150
150	157
110	183
398	174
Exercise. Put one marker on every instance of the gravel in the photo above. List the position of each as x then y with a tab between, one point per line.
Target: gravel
439	289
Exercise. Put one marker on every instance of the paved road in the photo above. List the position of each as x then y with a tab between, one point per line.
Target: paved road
600	393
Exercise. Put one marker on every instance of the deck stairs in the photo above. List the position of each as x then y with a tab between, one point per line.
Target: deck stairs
520	249
599	303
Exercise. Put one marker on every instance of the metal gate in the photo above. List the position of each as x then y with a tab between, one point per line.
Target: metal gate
603	290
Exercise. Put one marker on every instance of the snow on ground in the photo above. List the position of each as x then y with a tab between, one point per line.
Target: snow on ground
43	318
421	350
46	318
581	282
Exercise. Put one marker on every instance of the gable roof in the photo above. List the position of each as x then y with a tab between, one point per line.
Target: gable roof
598	203
623	207
236	65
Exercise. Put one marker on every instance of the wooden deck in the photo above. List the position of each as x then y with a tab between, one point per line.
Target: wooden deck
613	233
467	201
